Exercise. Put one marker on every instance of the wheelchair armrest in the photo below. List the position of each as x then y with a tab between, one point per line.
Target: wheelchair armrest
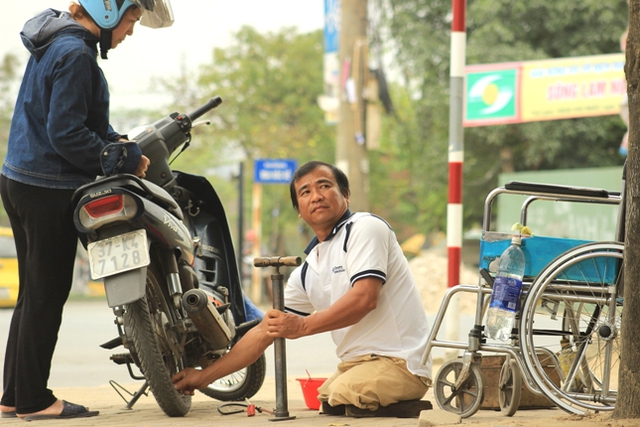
557	189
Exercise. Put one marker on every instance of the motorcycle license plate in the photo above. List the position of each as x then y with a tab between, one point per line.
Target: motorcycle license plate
118	254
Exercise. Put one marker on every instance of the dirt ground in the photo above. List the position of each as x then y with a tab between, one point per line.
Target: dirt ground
562	420
430	272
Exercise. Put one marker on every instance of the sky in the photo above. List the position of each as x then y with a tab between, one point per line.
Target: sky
200	25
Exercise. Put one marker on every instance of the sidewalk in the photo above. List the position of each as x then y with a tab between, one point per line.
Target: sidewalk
204	412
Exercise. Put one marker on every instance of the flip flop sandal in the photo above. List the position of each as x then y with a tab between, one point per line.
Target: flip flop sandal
69	410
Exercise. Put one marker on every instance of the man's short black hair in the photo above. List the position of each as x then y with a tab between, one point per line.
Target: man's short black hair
340	177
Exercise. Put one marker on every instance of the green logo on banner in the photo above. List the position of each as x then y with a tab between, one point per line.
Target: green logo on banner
491	95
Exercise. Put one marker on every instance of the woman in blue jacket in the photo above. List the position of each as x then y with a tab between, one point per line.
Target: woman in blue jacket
59	134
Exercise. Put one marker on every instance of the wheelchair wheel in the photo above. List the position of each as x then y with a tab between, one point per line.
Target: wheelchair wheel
464	400
509	387
572	310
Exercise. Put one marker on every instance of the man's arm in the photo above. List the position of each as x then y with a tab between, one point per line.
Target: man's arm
361	299
244	353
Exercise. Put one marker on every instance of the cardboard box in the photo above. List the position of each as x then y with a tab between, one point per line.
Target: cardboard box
491	366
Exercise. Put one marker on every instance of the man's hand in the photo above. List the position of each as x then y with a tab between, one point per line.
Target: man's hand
284	325
246	351
189	380
141	170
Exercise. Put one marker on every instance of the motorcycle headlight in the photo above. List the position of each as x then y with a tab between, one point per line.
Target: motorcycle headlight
107	209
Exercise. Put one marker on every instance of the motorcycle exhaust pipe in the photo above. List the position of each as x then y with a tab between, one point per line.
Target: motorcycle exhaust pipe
204	315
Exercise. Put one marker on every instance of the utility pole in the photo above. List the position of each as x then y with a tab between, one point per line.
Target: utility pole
351	150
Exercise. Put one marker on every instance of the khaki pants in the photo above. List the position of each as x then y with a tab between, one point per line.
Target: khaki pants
372	381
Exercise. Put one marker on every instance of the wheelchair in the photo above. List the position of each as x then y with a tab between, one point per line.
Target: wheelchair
565	343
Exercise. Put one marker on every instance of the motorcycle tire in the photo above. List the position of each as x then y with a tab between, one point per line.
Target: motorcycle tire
148	321
240	385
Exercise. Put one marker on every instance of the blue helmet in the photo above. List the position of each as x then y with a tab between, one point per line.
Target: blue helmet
107	14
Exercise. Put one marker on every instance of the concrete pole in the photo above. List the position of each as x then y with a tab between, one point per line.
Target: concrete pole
456	156
351	151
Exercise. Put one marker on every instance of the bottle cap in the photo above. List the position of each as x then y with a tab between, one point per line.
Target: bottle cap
516	240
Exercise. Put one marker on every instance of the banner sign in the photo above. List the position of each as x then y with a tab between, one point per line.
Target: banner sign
331	25
553	89
329	102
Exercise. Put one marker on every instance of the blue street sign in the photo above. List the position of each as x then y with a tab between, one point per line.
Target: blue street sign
274	171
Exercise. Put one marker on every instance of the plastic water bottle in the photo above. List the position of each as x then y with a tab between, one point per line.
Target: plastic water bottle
505	297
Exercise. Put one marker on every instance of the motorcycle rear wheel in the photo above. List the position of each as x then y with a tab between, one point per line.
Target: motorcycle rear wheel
240	385
149	322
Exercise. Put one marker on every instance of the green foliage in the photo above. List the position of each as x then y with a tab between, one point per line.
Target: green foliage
269	84
8	76
409	174
497	31
505	30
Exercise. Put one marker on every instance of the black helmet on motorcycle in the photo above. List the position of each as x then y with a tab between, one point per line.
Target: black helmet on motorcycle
107	14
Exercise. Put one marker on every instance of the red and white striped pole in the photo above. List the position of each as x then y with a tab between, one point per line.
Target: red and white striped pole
456	154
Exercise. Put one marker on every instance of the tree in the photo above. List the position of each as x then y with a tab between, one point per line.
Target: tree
408	175
410	169
501	31
8	76
269	84
629	375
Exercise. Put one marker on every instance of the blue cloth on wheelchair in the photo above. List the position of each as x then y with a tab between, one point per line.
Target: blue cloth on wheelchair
539	251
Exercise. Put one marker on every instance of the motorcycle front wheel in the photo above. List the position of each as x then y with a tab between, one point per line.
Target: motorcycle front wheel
240	385
150	324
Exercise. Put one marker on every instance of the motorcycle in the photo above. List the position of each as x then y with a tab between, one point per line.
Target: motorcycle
163	249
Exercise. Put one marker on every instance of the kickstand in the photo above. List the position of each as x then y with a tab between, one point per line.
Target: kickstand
135	396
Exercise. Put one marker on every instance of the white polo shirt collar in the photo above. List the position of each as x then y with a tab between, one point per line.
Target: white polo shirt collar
343	219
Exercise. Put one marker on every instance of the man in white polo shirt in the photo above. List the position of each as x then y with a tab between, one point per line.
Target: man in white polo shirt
356	283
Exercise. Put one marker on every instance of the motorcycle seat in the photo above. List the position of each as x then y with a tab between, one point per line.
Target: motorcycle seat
160	194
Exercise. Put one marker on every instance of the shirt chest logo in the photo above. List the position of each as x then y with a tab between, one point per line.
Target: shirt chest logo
337	269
